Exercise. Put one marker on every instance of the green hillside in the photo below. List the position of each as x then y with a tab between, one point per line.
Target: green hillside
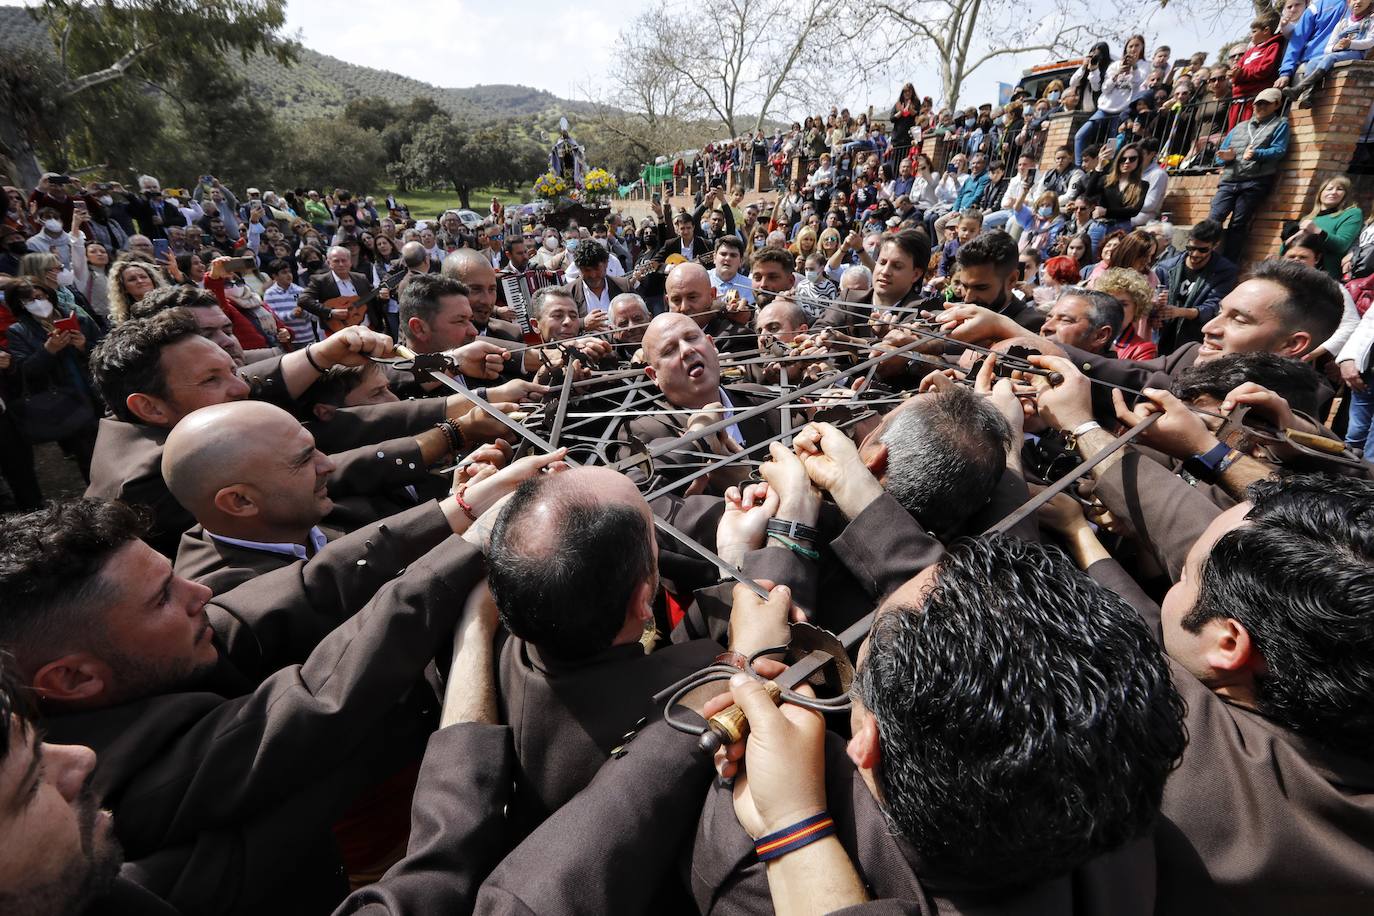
320	86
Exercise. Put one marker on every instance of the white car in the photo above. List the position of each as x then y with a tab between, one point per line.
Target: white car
471	219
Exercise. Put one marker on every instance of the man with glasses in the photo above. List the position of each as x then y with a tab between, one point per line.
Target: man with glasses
1250	155
1195	282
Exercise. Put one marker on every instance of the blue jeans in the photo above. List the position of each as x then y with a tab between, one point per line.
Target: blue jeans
1358	432
1088	133
1323	63
1239	200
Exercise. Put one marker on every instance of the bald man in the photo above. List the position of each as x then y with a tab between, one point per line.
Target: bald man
474	270
259	489
682	361
573	565
688	291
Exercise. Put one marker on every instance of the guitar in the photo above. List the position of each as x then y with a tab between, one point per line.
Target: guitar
357	305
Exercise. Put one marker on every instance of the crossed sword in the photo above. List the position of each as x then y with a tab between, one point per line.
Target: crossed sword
729	725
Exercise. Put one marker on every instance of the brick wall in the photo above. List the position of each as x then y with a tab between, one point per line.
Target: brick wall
1322	146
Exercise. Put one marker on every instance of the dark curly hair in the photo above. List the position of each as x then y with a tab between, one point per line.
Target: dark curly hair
51	564
589	253
1299	576
1026	716
128	361
1291	379
171	297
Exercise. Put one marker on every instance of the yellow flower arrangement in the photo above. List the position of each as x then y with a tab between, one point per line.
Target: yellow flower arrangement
598	181
550	186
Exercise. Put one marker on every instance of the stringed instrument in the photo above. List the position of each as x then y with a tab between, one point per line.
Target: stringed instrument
357	305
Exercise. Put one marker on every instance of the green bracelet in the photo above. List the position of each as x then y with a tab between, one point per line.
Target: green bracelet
793	546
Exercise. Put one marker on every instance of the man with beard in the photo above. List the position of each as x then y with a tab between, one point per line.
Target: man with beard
476	273
232	733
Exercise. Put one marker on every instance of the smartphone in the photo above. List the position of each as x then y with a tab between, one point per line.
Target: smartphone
67	324
657	198
239	264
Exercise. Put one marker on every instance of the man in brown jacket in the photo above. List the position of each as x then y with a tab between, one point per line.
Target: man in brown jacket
574	571
231	733
951	789
1272	809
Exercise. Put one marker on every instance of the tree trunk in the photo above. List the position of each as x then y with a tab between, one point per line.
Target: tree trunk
21	152
464	193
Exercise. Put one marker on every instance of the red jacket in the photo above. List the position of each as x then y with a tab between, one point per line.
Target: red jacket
1258	68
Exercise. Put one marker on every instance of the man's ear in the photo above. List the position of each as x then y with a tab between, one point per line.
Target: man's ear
1297	344
649	369
324	412
151	410
876	459
642	602
416	329
863	748
1230	649
77	678
235	502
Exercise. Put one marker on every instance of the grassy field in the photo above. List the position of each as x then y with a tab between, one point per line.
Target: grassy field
426	204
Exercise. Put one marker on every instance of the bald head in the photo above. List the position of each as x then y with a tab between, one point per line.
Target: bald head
414	256
682	361
573	562
247	469
688	291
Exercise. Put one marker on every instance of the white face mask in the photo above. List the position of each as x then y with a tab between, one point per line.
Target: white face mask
53	226
551	243
66	278
106	200
39	308
813	275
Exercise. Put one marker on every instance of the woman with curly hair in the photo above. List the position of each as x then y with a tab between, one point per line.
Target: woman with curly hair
1132	290
131	278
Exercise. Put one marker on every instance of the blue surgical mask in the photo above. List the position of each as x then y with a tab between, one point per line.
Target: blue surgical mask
1046	212
1053	96
572	244
758	243
969	122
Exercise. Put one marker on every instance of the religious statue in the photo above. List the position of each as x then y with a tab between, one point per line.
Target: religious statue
568	160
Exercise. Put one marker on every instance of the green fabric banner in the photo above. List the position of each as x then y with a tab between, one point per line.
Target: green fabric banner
657	174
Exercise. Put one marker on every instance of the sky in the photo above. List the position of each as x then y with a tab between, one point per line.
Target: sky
565	48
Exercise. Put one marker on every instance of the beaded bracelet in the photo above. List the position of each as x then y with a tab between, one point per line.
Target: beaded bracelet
463	504
790	839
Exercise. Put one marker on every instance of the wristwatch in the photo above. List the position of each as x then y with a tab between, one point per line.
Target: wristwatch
1209	466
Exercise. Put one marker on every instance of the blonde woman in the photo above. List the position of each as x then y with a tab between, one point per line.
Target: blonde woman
1333	225
1132	290
131	278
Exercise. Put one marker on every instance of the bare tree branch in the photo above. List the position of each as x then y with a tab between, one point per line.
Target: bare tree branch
113	72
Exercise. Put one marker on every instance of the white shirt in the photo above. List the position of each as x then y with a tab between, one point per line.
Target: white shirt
317	543
594	301
1158	181
733	429
346	287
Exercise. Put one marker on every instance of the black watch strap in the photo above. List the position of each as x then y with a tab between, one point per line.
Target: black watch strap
795	530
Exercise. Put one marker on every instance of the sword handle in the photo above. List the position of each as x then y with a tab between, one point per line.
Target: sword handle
729	725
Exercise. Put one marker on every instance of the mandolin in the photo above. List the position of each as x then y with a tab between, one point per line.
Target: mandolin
357	305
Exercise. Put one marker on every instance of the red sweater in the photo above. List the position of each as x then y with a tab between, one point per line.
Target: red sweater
1258	68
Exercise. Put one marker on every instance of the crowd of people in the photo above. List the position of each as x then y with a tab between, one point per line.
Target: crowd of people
400	535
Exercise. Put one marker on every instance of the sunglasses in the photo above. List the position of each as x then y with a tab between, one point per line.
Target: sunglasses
1213	79
1199	249
1130	159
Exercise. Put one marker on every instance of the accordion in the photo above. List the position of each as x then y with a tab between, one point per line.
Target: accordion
517	289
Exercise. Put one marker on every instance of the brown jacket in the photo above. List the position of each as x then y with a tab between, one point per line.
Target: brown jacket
457	826
221	566
567	716
224	794
352	427
615	845
727	878
1256	819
